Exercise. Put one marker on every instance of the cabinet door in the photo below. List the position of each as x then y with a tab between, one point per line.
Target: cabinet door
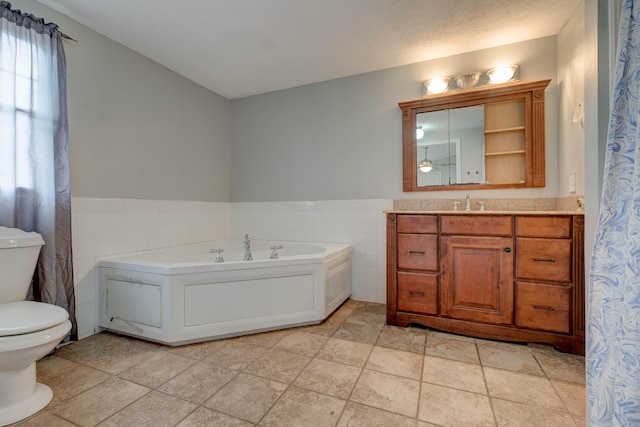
477	278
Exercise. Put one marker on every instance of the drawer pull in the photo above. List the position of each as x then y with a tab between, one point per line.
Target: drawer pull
543	260
539	307
507	250
417	252
416	294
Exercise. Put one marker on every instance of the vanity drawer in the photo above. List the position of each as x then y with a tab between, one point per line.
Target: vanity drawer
480	225
418	252
543	306
543	259
418	292
427	224
558	227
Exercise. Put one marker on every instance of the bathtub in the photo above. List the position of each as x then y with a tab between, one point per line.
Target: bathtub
180	295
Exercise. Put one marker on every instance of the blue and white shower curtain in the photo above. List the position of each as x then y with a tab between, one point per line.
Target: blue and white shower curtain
613	341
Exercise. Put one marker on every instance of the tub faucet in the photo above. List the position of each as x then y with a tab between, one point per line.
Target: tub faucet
218	253
247	248
274	251
468	202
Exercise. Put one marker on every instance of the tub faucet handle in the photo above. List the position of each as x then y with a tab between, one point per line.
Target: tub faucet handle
247	248
218	253
274	251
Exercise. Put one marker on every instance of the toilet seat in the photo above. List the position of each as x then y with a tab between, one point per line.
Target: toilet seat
25	317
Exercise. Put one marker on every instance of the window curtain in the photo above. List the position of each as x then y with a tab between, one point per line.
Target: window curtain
34	149
613	341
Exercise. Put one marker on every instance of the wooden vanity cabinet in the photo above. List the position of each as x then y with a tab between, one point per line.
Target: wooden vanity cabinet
507	277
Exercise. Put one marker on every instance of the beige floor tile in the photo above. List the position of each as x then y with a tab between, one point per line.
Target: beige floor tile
450	407
302	343
203	417
44	418
407	339
278	365
366	317
235	355
358	332
246	397
109	353
395	362
155	409
198	383
388	392
100	402
448	336
512	414
573	395
328	377
356	415
426	424
69	384
157	369
523	388
325	329
512	358
454	374
561	366
264	339
51	366
299	407
199	350
454	349
343	351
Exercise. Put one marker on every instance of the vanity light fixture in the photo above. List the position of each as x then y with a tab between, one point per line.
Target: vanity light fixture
419	132
426	165
502	74
436	86
496	75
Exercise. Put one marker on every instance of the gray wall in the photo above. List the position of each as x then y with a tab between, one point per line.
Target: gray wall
137	129
341	139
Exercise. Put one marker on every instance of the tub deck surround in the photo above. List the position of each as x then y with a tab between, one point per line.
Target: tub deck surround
507	275
180	295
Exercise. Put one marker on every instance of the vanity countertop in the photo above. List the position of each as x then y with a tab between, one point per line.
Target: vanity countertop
485	212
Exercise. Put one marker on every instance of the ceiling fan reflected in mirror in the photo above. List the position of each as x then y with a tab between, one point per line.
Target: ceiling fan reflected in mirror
426	165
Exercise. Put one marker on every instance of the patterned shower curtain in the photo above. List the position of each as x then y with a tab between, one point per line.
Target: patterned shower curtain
613	343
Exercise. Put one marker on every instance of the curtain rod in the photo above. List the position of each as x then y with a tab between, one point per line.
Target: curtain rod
66	37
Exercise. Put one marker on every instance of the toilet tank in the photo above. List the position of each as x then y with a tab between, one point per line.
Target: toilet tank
19	252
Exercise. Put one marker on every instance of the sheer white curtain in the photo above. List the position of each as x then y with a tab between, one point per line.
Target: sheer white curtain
613	345
34	148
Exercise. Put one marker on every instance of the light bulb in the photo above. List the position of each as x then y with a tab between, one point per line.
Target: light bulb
436	86
502	74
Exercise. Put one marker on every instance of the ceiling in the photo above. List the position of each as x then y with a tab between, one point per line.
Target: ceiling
238	48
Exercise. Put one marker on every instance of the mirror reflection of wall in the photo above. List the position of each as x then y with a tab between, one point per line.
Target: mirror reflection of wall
454	141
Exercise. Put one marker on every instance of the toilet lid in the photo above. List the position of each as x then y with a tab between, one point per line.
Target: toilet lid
23	317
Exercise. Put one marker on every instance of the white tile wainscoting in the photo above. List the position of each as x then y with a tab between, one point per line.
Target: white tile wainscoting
105	228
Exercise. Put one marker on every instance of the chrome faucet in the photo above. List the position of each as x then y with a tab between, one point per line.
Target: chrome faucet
247	248
218	253
274	251
468	202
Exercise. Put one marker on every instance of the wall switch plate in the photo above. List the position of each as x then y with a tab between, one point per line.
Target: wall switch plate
572	182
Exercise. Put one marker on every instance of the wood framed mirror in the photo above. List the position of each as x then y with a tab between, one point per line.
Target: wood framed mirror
489	137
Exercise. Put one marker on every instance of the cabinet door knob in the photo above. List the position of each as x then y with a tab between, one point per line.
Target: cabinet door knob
507	250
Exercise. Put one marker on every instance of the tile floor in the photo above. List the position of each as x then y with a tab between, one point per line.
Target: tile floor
351	370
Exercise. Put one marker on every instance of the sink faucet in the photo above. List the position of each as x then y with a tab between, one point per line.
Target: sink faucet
468	202
247	248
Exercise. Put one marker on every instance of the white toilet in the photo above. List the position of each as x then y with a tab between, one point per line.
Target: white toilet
28	330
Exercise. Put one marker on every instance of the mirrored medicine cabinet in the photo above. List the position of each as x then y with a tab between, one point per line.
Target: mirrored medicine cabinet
488	137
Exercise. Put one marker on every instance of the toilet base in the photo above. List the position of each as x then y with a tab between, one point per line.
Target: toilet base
24	409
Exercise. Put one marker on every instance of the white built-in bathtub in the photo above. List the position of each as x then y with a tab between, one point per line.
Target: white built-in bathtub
179	295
